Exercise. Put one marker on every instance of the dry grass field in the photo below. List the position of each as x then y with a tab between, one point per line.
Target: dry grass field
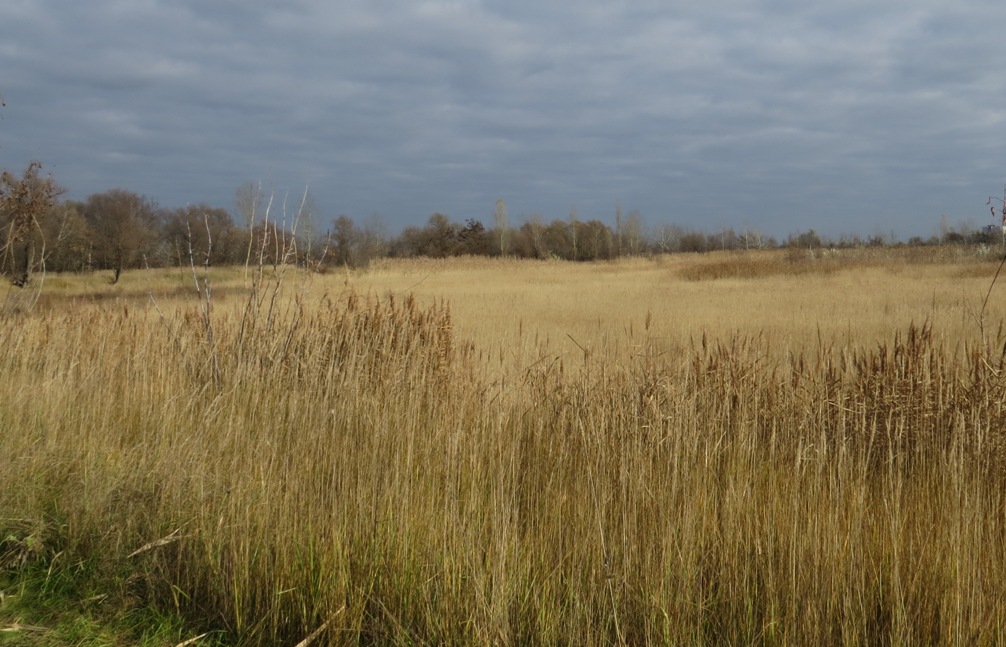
857	297
774	448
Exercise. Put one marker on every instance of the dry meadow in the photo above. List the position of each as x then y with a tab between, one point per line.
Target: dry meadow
775	448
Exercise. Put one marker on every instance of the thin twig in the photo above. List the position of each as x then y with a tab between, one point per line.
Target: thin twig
191	641
317	632
981	316
16	627
157	543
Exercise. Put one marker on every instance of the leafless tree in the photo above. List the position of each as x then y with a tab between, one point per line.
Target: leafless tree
501	226
535	228
574	226
632	234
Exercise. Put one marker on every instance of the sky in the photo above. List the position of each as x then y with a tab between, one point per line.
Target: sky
847	117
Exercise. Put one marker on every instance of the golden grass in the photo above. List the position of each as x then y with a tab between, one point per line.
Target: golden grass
504	452
850	297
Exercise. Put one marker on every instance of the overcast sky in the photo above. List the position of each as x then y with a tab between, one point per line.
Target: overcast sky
848	116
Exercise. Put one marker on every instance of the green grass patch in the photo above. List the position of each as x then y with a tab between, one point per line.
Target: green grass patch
48	598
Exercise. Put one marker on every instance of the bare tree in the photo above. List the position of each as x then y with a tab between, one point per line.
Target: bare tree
501	224
306	216
251	204
668	238
574	226
753	239
207	231
344	241
632	234
67	238
618	229
535	228
374	240
600	239
249	199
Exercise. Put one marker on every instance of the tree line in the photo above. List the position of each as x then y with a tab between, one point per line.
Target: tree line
117	230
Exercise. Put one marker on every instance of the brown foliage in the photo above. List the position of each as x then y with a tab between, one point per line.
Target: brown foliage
23	201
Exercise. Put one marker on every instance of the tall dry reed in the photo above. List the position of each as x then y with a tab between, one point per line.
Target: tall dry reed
351	466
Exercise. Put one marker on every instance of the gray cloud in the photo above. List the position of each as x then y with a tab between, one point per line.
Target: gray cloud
845	117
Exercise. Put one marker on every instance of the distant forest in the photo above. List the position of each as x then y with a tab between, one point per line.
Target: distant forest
120	230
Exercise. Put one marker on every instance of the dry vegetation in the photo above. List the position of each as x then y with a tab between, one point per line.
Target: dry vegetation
742	449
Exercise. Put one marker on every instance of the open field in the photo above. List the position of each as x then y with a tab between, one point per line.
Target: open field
777	448
850	298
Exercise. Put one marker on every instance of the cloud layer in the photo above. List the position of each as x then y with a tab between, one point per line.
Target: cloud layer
846	117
